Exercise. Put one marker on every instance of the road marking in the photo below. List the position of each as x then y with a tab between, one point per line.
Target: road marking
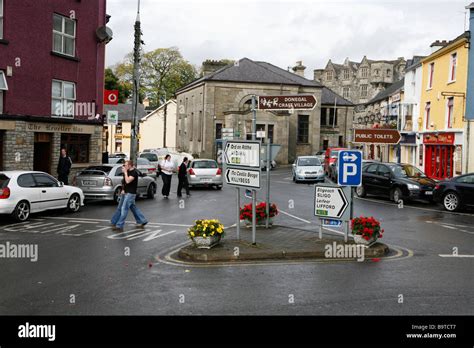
451	226
454	256
80	220
294	217
408	206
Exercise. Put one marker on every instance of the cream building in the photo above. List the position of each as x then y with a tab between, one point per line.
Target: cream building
153	128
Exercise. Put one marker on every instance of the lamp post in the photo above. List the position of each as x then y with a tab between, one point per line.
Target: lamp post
136	87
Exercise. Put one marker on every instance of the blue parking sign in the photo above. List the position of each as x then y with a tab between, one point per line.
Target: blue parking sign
349	171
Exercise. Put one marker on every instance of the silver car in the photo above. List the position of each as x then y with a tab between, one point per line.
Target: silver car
307	168
204	172
105	182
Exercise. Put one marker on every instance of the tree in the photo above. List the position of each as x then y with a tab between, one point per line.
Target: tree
163	71
112	82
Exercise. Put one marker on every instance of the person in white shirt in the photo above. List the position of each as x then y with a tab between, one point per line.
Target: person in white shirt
167	170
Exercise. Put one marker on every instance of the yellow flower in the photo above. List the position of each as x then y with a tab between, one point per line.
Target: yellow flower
192	234
204	235
212	227
219	230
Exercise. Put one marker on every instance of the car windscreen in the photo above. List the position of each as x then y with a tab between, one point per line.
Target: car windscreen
407	171
204	164
143	162
309	162
150	156
334	153
4	180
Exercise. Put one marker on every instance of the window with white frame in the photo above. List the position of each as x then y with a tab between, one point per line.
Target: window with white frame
449	112
64	35
427	114
346	74
63	99
345	92
430	75
3	87
363	91
329	75
452	67
1	19
365	72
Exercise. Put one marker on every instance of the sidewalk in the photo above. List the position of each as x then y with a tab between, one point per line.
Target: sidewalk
280	243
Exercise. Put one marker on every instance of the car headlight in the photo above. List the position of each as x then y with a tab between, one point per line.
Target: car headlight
413	187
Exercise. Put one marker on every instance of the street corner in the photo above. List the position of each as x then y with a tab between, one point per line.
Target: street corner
280	244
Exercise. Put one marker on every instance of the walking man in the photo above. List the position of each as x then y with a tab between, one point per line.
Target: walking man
64	167
167	169
127	199
183	178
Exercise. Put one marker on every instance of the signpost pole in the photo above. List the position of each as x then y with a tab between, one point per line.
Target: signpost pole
254	192
320	229
269	148
238	213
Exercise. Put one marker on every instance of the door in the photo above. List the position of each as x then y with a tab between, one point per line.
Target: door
30	191
42	153
369	178
383	181
52	196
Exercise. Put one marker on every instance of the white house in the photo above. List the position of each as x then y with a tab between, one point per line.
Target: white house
154	132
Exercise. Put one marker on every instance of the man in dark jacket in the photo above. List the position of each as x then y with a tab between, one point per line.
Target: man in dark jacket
183	177
64	167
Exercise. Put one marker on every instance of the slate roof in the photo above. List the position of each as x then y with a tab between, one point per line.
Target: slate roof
328	95
247	70
394	87
125	111
414	62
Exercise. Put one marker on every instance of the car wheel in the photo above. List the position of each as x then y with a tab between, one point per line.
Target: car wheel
74	203
397	195
451	201
117	195
219	187
360	191
150	193
22	211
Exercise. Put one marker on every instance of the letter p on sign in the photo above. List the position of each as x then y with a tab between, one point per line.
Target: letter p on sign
349	168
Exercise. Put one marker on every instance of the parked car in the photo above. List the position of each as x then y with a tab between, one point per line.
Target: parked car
105	182
26	192
146	167
397	181
455	193
118	155
330	157
204	172
116	160
334	168
150	156
307	168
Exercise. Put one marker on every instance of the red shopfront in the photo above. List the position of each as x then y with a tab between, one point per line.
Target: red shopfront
439	155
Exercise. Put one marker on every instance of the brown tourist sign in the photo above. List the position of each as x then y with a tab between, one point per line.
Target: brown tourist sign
377	136
287	102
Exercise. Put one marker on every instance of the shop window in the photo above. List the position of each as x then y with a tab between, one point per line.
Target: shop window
64	35
303	129
77	146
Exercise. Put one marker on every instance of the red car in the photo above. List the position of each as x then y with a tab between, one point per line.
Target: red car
330	157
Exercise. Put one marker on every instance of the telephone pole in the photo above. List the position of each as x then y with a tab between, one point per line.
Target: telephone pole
136	87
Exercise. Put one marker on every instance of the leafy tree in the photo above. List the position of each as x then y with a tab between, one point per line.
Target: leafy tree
112	82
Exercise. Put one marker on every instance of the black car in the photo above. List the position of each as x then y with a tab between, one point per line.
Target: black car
397	181
455	193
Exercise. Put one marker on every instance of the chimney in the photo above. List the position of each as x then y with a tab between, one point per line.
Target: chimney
210	66
299	68
437	45
318	73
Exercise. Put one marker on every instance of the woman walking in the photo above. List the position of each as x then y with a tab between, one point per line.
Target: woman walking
167	169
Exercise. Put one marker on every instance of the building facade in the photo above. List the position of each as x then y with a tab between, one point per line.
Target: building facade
51	82
442	108
221	101
360	82
153	128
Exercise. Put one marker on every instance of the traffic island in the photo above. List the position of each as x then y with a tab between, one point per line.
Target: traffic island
281	243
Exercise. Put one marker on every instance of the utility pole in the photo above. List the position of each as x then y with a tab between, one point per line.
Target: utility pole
136	87
165	114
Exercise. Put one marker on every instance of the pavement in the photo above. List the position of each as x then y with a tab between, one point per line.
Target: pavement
427	272
280	243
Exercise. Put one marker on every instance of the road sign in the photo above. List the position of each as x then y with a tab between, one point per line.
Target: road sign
349	168
242	153
112	117
377	136
243	177
330	202
331	223
260	134
287	102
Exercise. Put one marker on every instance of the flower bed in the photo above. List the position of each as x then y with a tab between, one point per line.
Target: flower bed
261	212
366	228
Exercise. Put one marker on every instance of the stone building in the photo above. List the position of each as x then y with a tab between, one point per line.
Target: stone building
360	82
222	99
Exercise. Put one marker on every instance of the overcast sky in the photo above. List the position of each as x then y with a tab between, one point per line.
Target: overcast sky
285	31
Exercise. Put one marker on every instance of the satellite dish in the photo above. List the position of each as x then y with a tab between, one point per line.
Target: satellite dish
104	34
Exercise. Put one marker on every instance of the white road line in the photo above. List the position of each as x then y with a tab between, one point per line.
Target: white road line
451	226
455	256
294	217
104	220
408	206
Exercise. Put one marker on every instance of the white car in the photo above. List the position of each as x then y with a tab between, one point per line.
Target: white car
26	192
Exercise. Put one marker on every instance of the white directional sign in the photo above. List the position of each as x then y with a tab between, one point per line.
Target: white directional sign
243	177
112	117
242	153
330	202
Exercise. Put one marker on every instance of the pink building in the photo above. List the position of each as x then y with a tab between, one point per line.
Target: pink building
52	56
